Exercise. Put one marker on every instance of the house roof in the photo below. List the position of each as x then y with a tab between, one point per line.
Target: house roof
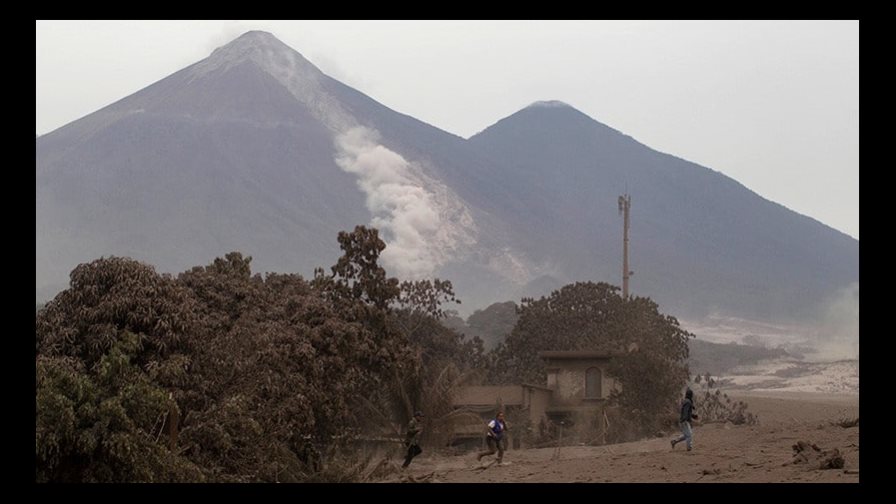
537	387
489	395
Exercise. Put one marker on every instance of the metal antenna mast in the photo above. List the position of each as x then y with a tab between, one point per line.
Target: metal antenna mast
625	203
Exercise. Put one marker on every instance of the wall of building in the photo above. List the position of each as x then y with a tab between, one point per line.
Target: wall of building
538	401
489	396
567	378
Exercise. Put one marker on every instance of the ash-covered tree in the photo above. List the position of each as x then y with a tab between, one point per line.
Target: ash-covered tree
407	314
285	365
357	275
418	312
106	423
256	366
653	369
445	358
110	350
577	317
259	369
650	349
247	419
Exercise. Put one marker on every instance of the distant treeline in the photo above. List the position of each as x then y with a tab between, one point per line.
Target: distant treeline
492	324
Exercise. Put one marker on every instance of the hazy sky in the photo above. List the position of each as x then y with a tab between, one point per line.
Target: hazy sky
772	104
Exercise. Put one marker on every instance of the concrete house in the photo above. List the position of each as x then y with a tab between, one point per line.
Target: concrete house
574	398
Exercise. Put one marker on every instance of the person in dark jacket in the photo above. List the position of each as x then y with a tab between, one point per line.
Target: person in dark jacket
412	439
495	437
687	414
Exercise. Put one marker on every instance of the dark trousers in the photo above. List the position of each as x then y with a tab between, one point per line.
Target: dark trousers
413	451
494	445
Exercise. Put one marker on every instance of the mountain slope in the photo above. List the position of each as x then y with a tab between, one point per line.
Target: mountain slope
254	149
700	241
191	167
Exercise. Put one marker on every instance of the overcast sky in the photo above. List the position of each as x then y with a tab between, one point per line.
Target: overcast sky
772	104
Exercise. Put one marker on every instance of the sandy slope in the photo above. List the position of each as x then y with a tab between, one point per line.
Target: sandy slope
793	375
722	453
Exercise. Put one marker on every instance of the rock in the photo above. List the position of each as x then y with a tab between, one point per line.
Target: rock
832	460
810	453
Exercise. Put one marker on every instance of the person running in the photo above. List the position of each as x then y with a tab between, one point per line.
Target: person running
412	439
687	414
495	437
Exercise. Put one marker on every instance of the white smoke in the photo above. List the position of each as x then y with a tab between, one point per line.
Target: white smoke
838	334
510	266
420	227
423	222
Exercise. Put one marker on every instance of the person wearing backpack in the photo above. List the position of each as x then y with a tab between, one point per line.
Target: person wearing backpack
495	437
684	419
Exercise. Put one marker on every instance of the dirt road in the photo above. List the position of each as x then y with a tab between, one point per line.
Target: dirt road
722	452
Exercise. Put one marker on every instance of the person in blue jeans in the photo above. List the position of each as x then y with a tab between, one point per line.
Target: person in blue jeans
687	414
495	437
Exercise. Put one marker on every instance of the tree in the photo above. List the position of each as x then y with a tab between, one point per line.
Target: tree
110	350
109	297
577	317
260	370
407	314
104	424
357	272
284	362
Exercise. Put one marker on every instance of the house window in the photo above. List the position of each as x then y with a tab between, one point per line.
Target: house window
592	383
552	378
